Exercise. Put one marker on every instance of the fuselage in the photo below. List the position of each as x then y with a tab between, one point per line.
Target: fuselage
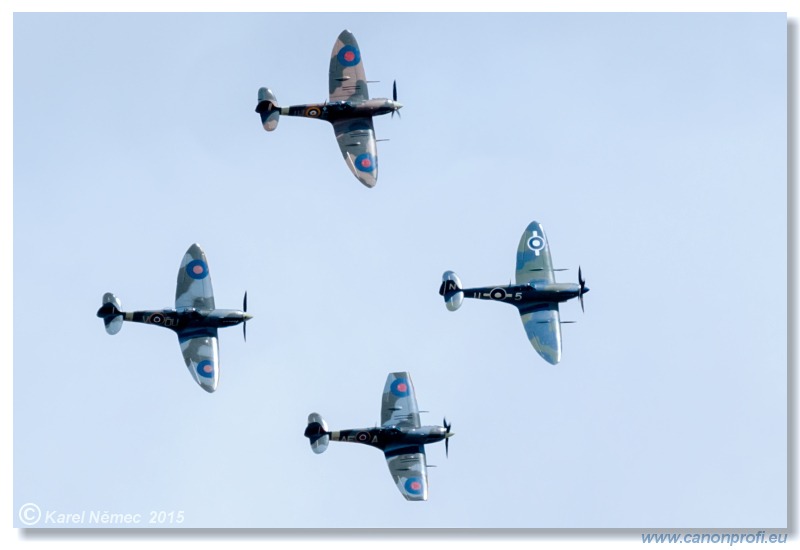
342	110
188	318
384	438
523	295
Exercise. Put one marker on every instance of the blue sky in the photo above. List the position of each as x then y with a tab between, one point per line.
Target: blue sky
651	147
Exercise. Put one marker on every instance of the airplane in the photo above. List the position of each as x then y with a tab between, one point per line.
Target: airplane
400	436
195	318
536	294
348	108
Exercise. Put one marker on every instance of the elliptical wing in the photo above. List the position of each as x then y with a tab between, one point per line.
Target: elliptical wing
194	281
346	78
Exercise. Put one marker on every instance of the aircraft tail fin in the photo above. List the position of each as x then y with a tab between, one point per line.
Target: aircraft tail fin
451	290
268	109
317	433
111	313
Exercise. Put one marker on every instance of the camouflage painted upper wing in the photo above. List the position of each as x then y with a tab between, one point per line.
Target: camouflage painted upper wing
201	354
346	78
409	470
543	326
533	257
194	282
356	138
399	403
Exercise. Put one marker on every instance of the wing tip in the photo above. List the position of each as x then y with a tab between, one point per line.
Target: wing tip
195	250
368	181
345	34
551	356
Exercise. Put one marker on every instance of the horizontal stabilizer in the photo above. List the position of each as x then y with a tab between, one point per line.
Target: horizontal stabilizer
317	433
113	324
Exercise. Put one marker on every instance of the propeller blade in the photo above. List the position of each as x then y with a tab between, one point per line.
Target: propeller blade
394	98
447	438
581	298
244	324
582	283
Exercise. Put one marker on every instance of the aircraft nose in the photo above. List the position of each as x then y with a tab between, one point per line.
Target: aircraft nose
398	105
247	316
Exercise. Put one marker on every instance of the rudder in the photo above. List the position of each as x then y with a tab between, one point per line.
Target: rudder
111	313
451	290
317	433
268	109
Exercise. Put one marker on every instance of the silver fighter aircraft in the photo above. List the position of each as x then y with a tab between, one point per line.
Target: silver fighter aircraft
400	436
349	109
536	294
195	318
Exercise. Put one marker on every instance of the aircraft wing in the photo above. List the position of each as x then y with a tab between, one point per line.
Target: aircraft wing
399	403
201	353
194	282
408	468
533	257
356	138
543	325
346	78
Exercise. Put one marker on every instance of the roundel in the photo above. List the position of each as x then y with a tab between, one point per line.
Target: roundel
365	162
400	387
312	112
197	269
205	369
414	485
349	56
156	319
362	437
536	242
497	294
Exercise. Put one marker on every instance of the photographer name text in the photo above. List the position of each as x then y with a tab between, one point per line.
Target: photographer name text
104	517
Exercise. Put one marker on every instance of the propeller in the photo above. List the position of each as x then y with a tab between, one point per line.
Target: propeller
446	437
582	283
394	98
244	308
